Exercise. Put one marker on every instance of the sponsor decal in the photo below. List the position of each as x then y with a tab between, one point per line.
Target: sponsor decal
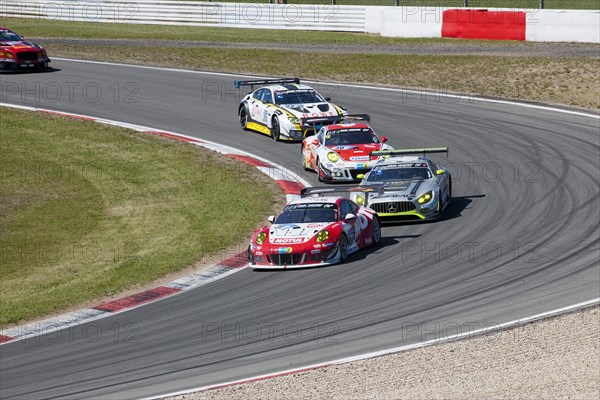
362	221
315	251
284	250
359	158
288	240
362	166
314	226
321	114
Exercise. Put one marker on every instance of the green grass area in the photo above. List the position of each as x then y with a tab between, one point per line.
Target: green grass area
570	81
87	30
88	210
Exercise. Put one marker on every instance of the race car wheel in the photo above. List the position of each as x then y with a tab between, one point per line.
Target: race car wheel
320	172
250	256
275	132
440	204
450	191
376	231
243	118
343	248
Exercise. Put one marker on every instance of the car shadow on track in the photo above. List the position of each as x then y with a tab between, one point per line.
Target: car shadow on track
28	71
454	210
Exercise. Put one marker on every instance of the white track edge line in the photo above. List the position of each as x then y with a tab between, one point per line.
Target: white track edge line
351	85
475	333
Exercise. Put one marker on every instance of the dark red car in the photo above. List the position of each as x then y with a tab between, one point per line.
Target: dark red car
17	53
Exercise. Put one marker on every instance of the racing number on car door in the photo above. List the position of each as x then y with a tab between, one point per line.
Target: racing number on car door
258	107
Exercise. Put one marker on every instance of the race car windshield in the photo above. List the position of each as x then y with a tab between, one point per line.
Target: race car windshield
9	36
305	213
352	137
399	174
309	96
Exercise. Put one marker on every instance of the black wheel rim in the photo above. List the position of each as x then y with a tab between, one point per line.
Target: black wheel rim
343	248
376	229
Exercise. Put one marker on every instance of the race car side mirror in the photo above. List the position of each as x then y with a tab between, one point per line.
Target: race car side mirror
384	139
327	98
360	176
350	217
440	172
271	218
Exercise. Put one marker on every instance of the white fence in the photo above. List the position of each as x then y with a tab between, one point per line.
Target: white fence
541	25
167	12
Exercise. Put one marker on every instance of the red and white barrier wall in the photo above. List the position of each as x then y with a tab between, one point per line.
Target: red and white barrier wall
494	23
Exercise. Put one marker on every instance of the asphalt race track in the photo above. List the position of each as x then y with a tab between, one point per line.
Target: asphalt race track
521	237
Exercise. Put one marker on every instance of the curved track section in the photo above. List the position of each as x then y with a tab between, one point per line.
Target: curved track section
520	238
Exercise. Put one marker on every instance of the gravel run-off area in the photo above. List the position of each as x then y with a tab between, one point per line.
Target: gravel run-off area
557	358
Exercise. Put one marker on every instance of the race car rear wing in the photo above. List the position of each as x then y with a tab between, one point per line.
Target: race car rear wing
257	82
314	121
350	192
404	152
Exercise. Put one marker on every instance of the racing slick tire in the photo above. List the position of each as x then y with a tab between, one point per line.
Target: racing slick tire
250	256
376	231
343	248
450	191
243	115
440	205
275	132
319	172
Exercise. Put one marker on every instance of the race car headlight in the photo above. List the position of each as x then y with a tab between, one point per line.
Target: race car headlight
322	236
8	55
425	198
293	120
333	157
360	200
261	237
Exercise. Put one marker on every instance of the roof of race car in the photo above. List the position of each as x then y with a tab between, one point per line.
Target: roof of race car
350	125
288	87
320	199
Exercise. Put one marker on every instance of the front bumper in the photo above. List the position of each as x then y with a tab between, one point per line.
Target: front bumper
24	63
344	173
312	258
406	210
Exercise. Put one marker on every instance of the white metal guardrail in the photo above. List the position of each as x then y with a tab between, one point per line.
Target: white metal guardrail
168	12
540	25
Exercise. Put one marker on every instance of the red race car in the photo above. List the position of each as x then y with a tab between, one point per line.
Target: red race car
16	53
340	152
312	232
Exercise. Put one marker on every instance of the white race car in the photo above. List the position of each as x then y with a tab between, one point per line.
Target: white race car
342	151
279	106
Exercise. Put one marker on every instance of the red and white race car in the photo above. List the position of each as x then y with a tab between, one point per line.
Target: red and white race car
340	152
16	53
312	232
